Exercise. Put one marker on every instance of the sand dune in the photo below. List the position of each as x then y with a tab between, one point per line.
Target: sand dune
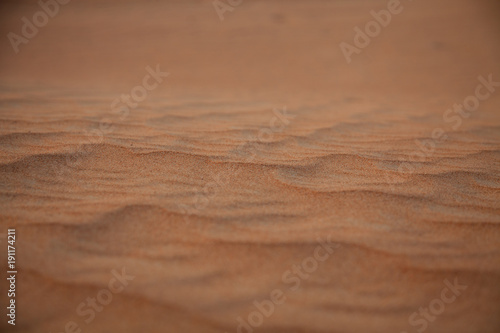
260	150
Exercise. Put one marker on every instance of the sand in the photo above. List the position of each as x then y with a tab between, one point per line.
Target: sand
262	167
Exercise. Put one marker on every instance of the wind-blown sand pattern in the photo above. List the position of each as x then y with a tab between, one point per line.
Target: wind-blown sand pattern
207	206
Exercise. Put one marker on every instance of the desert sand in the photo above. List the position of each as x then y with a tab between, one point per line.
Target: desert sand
218	187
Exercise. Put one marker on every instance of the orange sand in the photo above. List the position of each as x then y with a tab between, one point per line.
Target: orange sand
207	215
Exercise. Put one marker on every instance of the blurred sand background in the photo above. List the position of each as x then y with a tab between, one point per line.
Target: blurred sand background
143	195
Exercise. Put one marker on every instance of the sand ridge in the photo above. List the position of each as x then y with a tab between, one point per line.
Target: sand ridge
208	195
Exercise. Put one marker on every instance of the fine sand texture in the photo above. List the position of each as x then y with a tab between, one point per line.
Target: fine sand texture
263	167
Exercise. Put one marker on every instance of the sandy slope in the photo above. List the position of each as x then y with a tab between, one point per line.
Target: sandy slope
208	195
